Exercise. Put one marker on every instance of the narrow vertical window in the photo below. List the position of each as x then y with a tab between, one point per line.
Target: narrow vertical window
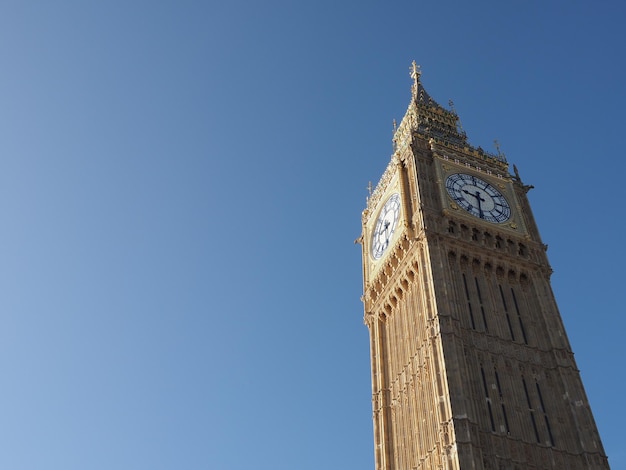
531	411
498	382
543	408
532	418
519	317
506	313
488	400
545	414
469	302
504	415
506	419
482	308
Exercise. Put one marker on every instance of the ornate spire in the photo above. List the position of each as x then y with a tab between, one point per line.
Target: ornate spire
427	117
416	72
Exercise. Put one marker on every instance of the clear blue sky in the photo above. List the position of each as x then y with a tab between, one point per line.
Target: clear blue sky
181	184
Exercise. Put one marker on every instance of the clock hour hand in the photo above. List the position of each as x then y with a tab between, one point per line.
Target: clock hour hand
478	201
387	223
476	195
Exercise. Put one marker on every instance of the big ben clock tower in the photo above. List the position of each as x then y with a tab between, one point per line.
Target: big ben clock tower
471	365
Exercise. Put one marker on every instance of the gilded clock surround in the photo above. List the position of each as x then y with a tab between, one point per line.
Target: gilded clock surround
447	166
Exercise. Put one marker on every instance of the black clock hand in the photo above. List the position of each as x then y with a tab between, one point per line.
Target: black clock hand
476	195
386	227
478	200
382	232
387	235
480	210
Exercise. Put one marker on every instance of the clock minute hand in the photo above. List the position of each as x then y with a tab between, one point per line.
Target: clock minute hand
479	200
387	224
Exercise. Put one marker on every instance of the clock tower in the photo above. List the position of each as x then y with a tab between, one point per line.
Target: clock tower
471	365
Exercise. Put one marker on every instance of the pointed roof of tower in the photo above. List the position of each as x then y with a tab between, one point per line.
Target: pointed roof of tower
429	119
420	95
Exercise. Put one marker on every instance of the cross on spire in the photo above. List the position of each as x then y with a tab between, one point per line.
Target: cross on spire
416	71
415	75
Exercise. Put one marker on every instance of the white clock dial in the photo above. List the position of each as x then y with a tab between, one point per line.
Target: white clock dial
385	226
478	197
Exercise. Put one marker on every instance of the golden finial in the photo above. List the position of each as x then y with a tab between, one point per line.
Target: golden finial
416	71
497	144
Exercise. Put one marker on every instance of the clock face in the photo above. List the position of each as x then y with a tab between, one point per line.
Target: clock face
385	226
478	197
